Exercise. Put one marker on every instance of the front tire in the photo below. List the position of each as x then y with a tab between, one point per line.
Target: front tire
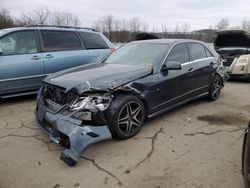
215	88
128	117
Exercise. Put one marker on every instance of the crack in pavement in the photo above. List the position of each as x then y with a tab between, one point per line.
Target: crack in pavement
150	153
236	139
212	133
31	136
182	155
103	170
22	126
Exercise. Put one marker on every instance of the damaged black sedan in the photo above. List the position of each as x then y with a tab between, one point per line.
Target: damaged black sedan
143	79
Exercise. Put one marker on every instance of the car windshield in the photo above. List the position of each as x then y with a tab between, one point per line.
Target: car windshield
139	54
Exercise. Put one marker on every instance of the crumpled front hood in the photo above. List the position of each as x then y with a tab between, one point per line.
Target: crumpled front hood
231	38
99	76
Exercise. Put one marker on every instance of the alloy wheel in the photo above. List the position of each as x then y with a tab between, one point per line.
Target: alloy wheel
130	118
216	87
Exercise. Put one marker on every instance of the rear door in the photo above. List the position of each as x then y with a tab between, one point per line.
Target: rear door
203	63
61	50
21	64
96	44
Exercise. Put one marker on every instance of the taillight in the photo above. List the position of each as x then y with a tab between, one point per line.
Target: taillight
112	49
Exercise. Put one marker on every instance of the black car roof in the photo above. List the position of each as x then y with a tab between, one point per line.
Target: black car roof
167	41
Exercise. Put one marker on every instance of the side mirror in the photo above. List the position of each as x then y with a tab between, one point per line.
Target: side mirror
1	51
171	65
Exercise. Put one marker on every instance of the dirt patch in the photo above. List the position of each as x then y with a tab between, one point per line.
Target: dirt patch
224	118
247	108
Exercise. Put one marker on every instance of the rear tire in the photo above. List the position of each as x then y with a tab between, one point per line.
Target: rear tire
215	88
128	117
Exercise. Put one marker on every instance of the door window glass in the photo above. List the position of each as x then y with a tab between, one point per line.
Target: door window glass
60	40
209	54
93	41
179	53
197	51
23	42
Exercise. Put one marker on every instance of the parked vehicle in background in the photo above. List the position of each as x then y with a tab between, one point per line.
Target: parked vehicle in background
28	54
143	79
246	157
118	45
233	46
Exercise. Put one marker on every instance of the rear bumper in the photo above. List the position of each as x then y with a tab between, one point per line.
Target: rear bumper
59	127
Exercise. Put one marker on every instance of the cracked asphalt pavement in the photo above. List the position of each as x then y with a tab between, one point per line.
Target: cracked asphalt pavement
197	145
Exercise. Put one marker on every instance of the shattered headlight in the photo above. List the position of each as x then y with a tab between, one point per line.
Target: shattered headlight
92	102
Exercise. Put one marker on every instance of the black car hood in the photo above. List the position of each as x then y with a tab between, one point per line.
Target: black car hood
231	38
99	76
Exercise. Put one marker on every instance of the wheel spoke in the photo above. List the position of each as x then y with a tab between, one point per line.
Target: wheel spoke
124	118
125	121
136	122
128	128
136	111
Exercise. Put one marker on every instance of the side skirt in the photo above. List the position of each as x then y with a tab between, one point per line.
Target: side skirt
176	105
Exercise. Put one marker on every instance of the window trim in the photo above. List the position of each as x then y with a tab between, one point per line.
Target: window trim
38	44
42	41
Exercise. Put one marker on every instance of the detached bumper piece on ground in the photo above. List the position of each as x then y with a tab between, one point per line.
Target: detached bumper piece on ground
70	133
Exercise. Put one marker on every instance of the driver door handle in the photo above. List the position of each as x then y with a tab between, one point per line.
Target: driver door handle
49	56
35	57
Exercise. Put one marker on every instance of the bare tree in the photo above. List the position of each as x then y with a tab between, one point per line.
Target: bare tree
135	26
109	23
164	28
98	25
223	24
64	19
117	29
245	25
38	16
185	27
5	19
105	24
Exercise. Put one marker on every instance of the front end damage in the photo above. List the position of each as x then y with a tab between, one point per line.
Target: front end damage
75	121
72	121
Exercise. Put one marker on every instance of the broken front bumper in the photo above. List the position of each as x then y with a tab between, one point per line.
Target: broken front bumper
78	136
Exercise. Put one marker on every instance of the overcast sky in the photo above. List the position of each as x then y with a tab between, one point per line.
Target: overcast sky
199	14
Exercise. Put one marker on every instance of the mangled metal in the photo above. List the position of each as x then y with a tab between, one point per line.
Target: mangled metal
76	119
